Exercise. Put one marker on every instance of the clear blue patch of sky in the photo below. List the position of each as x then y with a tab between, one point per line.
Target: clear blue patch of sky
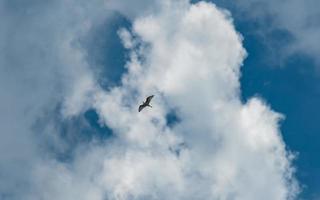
101	131
105	52
172	118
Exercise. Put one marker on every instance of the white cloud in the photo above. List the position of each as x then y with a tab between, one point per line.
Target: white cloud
189	56
299	18
40	67
232	151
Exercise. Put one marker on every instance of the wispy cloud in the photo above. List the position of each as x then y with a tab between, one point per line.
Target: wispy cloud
40	67
298	18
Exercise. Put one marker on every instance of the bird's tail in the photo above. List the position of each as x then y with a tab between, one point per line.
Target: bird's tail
149	106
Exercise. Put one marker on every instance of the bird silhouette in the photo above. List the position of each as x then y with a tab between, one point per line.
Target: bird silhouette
146	103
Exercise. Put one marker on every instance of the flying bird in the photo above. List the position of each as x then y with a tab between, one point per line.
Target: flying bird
146	103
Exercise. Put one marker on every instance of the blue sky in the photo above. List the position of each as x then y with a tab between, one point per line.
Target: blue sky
73	73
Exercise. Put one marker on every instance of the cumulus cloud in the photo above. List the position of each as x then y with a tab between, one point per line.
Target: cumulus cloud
231	150
189	56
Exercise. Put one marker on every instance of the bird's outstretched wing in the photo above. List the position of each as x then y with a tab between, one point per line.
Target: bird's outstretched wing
149	99
141	107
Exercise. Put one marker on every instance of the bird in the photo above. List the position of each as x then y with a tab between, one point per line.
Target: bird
146	103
